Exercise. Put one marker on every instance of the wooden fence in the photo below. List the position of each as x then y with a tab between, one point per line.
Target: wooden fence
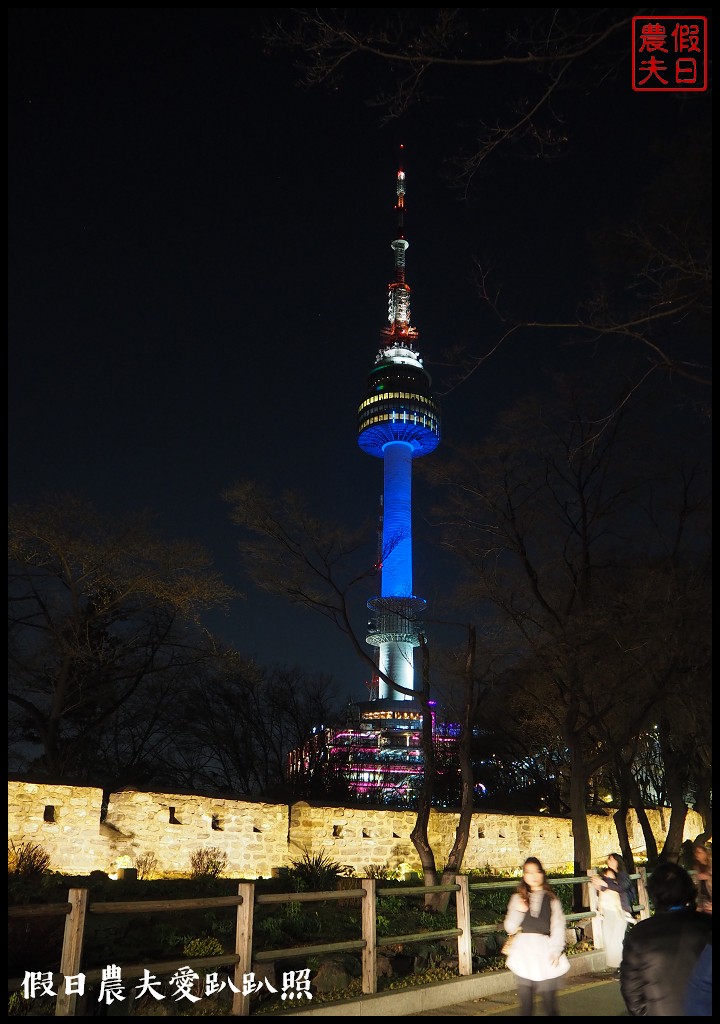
79	906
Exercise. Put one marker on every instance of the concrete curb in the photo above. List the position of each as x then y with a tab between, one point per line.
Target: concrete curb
437	994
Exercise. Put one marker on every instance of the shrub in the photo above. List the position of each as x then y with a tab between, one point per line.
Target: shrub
488	873
437	922
393	905
146	865
27	860
209	862
206	945
317	872
379	871
17	1006
270	927
292	910
382	924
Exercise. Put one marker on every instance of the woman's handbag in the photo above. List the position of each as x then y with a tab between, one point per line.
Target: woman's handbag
507	945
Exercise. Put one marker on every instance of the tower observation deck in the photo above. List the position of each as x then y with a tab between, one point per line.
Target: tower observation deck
398	421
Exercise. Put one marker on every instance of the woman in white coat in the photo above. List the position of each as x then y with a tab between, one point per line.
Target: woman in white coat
536	957
614	922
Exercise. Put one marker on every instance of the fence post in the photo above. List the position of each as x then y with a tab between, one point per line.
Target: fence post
595	921
368	916
71	950
243	947
643	898
462	906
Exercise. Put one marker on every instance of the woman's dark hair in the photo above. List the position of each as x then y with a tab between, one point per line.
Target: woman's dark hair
698	861
671	887
620	861
523	888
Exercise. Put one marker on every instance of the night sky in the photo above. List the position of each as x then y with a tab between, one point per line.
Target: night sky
199	253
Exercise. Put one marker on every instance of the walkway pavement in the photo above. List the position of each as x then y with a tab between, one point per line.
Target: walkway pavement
583	995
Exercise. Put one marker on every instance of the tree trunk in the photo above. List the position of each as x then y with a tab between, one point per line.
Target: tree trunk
419	834
578	818
651	850
626	786
620	819
703	803
453	865
675	782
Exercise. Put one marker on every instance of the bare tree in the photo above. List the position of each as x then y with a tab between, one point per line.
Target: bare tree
595	556
502	84
649	283
538	54
237	726
98	609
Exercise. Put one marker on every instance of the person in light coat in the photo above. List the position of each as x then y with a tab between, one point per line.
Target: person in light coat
537	957
614	922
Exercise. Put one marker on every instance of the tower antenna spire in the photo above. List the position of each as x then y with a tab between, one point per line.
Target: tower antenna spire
399	289
400	205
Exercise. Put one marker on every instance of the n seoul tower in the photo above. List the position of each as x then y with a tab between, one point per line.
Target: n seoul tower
398	421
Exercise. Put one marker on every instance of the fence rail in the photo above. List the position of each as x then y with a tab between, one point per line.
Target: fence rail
78	907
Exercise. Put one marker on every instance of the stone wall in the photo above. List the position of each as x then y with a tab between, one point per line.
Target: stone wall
253	835
500	842
259	837
64	820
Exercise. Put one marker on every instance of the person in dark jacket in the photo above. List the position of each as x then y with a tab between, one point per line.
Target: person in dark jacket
698	994
659	954
619	881
628	896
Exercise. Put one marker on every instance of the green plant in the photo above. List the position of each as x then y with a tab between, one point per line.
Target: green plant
168	935
382	924
489	905
392	905
487	873
205	945
270	927
17	1006
208	862
437	922
292	910
27	860
40	1006
222	926
318	872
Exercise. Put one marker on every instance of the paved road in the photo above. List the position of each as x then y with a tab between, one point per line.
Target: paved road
582	996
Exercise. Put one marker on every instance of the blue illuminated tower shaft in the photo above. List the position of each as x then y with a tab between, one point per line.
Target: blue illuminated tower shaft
395	654
398	421
397	520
